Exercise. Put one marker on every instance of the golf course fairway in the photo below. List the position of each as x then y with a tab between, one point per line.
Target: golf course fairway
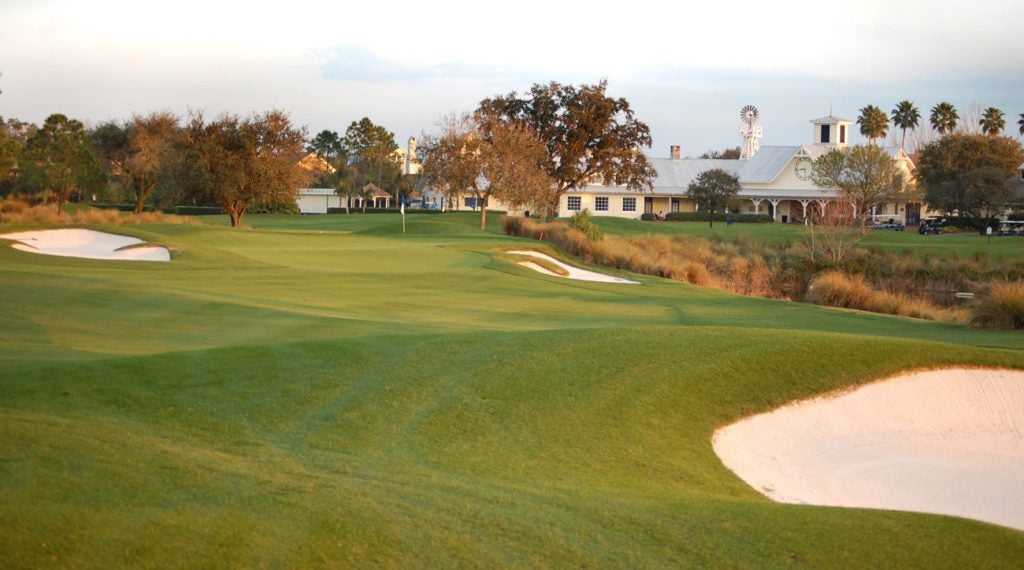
328	391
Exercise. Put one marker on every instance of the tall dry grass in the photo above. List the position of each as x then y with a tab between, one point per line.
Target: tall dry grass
787	271
18	211
838	289
1001	306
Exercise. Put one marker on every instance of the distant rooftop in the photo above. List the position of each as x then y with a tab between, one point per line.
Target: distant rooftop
830	120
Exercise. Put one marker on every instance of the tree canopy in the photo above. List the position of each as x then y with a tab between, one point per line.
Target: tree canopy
947	171
587	135
139	150
866	175
944	118
248	161
732	153
714	190
992	122
370	151
506	163
905	116
57	158
10	149
873	123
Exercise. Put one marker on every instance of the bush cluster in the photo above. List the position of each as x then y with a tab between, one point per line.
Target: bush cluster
384	211
703	217
1002	306
17	211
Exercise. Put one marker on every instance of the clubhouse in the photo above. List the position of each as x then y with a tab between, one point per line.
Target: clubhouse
775	180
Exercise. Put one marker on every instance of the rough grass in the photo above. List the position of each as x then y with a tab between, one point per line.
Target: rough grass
18	212
870	279
338	393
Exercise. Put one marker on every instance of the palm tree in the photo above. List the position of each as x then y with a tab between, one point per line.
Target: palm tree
944	118
1021	124
905	116
992	122
873	123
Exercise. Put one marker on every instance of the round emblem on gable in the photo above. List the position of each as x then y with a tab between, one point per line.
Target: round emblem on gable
803	168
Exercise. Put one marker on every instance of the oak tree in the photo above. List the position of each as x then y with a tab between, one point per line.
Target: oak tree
866	175
248	161
713	190
505	162
139	150
947	170
587	136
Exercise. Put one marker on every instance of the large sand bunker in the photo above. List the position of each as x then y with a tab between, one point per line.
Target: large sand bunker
87	244
573	272
943	441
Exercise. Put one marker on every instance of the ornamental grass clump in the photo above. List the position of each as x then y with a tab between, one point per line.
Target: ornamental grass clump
1002	306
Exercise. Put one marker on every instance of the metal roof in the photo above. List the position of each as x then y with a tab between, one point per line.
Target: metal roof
764	166
830	120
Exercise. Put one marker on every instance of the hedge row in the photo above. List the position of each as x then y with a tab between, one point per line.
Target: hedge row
178	210
718	217
383	211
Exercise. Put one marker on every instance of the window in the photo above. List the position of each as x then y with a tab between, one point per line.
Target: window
629	204
574	203
601	204
826	133
675	205
842	134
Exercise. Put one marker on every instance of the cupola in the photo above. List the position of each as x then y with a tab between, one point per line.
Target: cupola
832	131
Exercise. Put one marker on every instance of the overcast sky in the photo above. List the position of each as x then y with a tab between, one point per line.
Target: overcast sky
686	70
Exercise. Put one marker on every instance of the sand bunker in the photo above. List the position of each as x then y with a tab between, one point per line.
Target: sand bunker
945	441
87	244
574	272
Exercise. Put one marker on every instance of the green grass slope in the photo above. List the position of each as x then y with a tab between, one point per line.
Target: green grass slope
328	391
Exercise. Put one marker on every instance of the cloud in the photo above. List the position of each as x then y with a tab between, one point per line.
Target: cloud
357	63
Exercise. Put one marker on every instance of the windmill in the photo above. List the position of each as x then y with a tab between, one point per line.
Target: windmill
751	132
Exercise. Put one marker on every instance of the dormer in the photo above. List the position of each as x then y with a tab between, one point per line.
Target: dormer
832	131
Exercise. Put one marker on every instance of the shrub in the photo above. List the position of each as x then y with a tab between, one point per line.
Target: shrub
581	221
194	210
1002	307
718	217
837	289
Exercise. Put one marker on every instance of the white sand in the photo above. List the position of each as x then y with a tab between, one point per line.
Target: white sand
86	244
942	441
574	272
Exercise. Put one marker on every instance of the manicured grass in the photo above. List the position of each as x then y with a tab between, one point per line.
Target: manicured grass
964	244
328	391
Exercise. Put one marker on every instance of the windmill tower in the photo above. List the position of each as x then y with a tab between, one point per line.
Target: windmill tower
751	132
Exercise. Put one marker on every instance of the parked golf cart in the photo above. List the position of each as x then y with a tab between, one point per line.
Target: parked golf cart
930	226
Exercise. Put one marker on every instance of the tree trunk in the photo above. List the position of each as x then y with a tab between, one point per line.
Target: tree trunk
140	202
483	216
236	217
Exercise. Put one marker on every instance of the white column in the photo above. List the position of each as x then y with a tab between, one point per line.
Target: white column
775	210
804	204
757	204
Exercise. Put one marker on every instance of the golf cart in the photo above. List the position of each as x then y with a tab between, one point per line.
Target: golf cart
930	226
1011	228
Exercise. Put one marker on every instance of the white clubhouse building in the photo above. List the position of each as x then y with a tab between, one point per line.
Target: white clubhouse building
775	180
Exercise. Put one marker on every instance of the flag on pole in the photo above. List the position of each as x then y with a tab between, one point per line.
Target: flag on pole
402	209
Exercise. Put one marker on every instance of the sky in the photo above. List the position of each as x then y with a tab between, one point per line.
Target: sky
685	69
